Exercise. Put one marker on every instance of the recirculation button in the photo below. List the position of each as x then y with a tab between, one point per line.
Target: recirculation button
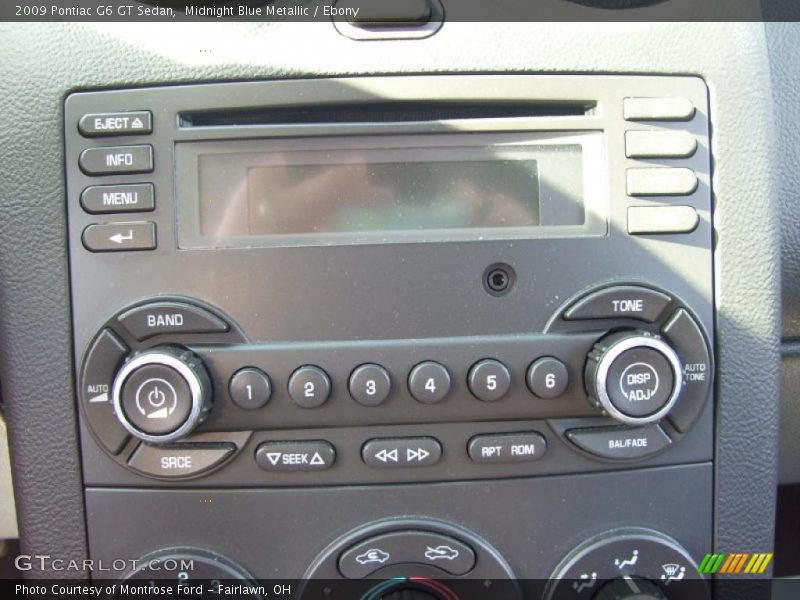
407	547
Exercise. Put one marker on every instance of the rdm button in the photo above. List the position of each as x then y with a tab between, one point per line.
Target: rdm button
159	318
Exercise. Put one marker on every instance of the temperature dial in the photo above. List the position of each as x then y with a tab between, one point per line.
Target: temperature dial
161	395
635	377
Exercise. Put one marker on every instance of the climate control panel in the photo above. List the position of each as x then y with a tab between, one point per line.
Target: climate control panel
173	389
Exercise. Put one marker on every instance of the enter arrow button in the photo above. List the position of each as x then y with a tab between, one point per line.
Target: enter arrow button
116	237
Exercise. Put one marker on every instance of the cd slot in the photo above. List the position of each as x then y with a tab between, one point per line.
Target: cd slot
381	113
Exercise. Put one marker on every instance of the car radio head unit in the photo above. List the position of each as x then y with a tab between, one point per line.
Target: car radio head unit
411	279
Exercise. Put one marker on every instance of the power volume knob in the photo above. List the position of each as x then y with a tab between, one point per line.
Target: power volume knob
161	395
635	377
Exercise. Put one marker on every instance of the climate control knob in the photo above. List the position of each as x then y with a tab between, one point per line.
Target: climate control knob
634	377
162	394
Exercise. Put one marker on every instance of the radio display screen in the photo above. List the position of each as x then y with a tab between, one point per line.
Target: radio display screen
289	195
369	197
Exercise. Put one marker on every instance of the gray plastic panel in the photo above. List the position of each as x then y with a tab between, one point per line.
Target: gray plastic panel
532	523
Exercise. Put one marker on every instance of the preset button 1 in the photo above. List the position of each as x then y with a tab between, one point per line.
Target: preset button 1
250	388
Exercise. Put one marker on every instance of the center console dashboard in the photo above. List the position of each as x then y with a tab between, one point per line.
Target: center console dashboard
295	355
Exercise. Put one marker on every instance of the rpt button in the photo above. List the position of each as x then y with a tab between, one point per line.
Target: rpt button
626	301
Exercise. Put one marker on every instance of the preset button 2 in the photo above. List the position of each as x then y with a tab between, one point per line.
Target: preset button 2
309	387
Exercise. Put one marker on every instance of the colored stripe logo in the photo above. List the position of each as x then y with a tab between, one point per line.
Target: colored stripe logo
732	563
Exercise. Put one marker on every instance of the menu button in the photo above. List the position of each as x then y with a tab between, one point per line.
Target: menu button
105	199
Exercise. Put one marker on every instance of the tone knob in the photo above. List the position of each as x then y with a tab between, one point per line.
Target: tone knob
635	377
162	394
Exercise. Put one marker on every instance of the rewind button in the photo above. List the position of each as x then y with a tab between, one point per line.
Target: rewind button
402	452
